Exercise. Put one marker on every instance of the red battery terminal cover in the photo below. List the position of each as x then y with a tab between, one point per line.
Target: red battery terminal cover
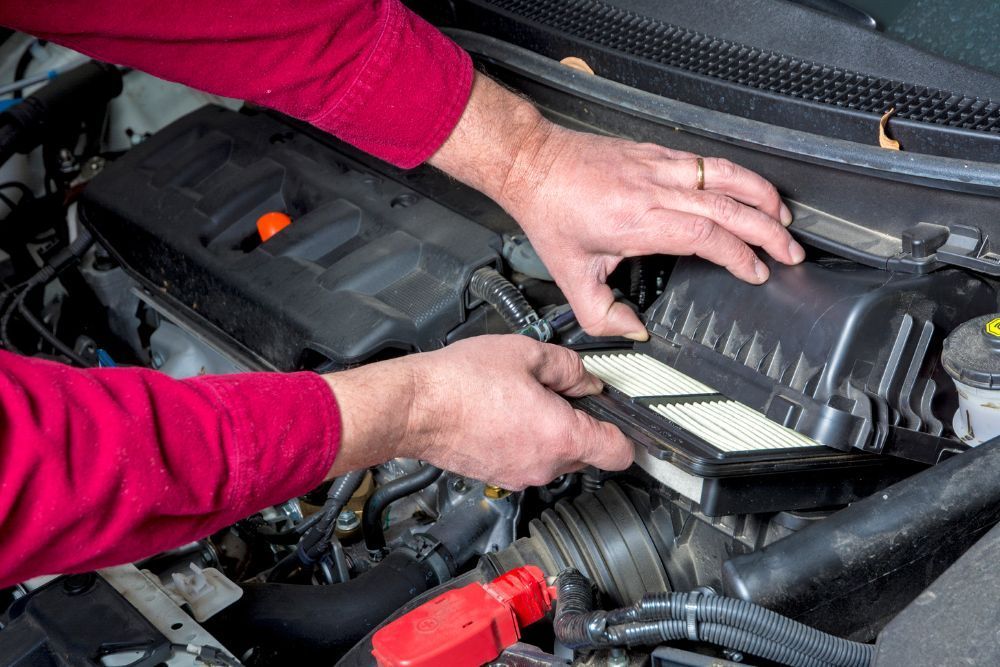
466	626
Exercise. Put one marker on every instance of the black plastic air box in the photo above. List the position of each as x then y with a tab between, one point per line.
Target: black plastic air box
839	352
845	355
367	267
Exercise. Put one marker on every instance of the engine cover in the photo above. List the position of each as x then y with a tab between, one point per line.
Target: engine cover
366	267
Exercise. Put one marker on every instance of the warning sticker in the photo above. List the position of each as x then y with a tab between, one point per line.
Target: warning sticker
993	327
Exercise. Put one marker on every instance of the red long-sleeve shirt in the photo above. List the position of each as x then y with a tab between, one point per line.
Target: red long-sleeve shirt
105	466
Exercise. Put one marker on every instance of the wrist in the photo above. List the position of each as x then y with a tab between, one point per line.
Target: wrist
378	413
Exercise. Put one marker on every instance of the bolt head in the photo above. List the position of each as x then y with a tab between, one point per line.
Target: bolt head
348	520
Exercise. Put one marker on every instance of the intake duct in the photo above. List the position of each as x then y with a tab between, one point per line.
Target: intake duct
604	535
852	572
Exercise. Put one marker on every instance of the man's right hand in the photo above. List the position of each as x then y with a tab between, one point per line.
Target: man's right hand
491	408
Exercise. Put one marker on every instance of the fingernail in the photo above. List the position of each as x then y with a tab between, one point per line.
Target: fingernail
786	215
760	270
638	336
796	251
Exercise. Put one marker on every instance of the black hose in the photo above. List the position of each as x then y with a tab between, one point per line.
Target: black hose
487	284
752	618
576	624
314	622
385	495
665	617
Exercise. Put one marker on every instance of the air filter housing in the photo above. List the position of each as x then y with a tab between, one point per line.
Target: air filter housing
776	397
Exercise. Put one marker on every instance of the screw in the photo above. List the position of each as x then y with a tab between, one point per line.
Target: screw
348	520
458	485
734	656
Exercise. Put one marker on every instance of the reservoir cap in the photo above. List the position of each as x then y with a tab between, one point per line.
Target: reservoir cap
971	352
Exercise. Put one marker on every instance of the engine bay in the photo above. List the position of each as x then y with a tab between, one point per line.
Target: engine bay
818	451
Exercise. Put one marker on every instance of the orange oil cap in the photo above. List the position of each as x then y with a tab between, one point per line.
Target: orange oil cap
271	223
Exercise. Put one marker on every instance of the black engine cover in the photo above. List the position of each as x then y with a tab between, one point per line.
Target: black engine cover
366	267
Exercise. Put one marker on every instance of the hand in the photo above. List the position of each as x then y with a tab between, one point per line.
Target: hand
488	407
587	201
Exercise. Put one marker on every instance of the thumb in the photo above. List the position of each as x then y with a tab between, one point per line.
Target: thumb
599	314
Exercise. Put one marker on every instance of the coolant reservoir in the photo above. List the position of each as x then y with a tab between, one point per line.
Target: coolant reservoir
971	356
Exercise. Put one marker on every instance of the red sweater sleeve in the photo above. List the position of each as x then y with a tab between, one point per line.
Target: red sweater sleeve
368	71
99	467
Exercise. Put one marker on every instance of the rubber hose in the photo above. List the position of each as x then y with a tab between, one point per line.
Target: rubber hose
385	495
487	284
752	618
651	633
314	623
747	642
576	624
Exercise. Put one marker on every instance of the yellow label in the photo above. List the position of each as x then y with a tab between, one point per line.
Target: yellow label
993	327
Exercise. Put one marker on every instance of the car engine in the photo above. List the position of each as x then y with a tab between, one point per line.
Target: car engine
816	480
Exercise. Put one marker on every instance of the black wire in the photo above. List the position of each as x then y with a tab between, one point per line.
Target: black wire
23	62
11	204
25	190
44	332
26	195
8	313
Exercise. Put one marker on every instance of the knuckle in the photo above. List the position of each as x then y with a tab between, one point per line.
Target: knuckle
726	170
724	208
701	232
742	258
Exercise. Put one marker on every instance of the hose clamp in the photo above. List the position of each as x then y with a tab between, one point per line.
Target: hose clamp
691	615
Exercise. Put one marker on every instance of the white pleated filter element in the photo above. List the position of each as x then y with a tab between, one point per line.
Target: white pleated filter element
637	375
732	427
727	425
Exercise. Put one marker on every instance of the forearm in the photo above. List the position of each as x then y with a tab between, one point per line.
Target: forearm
368	71
498	145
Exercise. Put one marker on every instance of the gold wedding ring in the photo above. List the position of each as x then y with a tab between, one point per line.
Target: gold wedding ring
701	174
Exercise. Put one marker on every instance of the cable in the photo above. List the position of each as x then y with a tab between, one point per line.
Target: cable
58	263
44	332
317	538
24	61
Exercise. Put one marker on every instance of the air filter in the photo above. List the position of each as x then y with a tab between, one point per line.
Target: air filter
720	453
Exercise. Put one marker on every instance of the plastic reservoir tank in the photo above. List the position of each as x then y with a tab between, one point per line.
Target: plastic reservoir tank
971	356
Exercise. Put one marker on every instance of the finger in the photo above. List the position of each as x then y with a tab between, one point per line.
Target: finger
746	223
561	370
681	233
728	178
599	313
601	444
